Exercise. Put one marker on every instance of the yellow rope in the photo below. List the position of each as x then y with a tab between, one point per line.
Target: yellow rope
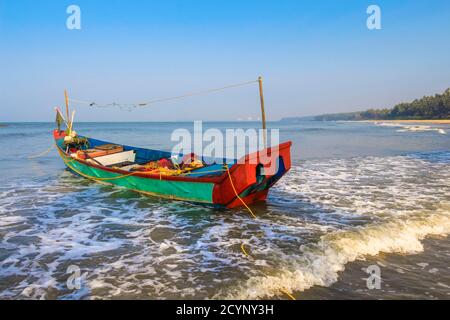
237	195
254	216
288	294
42	154
243	250
202	172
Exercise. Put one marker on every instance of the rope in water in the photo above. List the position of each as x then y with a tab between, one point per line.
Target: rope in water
244	251
254	217
237	195
147	103
42	153
288	294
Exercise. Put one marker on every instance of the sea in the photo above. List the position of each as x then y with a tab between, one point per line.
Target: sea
364	213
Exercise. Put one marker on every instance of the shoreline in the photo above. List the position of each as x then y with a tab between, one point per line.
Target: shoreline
443	121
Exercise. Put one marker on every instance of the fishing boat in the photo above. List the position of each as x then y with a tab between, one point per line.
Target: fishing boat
228	183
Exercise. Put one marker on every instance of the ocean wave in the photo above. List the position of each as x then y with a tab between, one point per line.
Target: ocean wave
411	128
319	264
400	200
421	129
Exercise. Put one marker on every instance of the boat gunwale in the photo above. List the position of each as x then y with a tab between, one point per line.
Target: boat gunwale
215	180
142	175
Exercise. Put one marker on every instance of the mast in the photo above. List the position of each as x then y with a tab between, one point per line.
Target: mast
263	112
67	111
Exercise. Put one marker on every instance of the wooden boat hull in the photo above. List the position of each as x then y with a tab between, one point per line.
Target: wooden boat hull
229	188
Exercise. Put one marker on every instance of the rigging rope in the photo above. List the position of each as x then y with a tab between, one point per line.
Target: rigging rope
147	103
237	195
42	153
284	291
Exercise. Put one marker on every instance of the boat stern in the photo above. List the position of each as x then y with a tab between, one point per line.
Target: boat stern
249	180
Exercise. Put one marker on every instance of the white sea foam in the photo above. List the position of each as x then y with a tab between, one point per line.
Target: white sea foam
388	124
320	264
10	220
406	199
421	129
411	128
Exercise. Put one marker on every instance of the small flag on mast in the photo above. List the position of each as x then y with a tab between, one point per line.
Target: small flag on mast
59	119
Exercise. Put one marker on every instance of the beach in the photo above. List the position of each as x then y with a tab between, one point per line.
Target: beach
443	121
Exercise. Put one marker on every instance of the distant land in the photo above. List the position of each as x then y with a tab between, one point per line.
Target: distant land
435	107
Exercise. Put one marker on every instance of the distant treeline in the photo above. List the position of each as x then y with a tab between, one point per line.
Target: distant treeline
432	107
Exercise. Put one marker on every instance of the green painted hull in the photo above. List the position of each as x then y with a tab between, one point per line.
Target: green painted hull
181	190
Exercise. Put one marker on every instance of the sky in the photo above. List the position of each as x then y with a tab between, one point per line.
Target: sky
315	57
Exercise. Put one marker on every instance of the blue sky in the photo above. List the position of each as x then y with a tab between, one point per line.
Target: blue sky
315	56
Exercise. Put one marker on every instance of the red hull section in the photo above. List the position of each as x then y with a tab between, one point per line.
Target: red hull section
249	180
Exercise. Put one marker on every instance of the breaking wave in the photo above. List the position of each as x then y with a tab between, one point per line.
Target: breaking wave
411	128
319	264
401	199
